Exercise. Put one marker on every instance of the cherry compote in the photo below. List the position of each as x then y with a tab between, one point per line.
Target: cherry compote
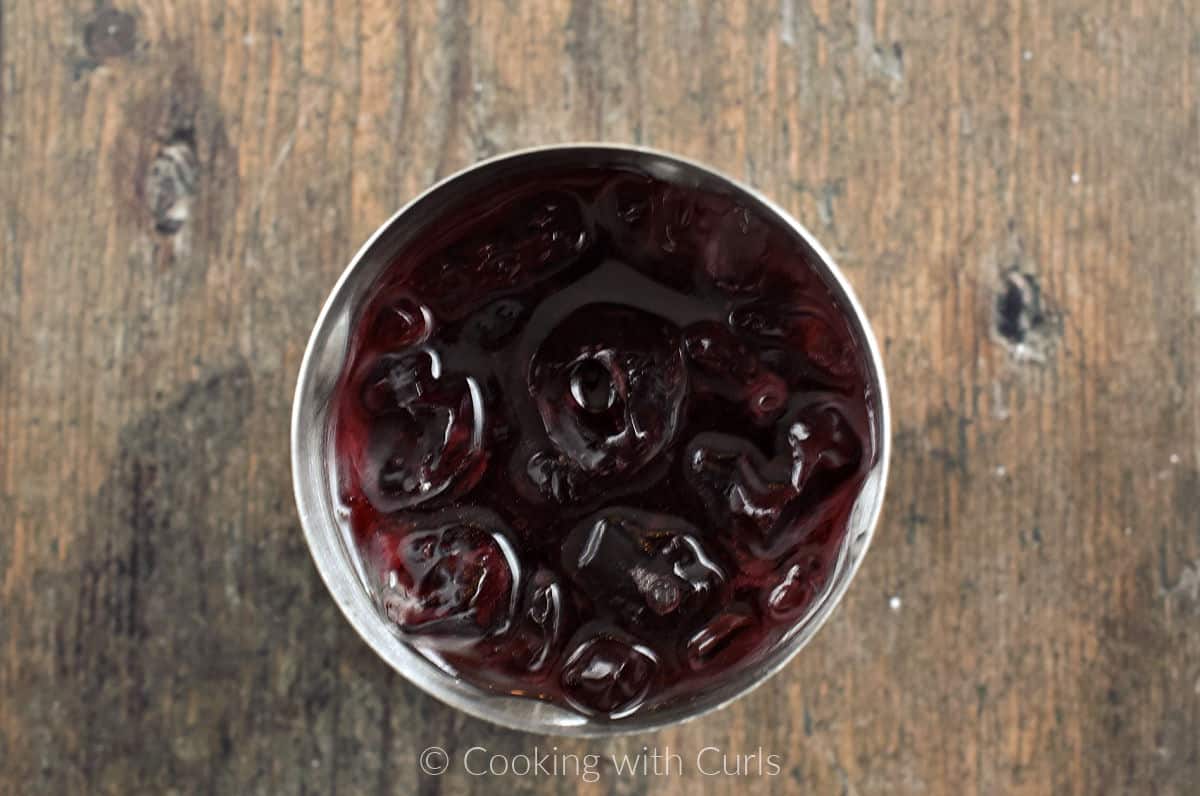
599	436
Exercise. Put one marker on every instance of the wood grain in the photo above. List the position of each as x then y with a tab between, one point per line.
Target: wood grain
1013	187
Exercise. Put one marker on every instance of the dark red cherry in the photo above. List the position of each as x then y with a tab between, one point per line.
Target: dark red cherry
402	322
720	358
728	636
735	257
626	210
609	675
399	382
450	576
551	232
541	623
501	252
819	439
609	384
726	366
645	568
802	326
795	592
429	449
551	476
747	492
495	324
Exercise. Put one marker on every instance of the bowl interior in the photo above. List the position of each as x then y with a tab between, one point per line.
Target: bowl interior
326	525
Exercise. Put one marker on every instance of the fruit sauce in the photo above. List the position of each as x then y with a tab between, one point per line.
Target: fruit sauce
599	437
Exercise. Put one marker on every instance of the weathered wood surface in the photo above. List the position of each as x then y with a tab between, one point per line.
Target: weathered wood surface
1013	187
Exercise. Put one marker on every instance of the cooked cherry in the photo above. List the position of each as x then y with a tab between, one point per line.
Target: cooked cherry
401	323
735	257
727	367
400	381
803	580
592	386
802	326
494	324
449	576
609	676
609	384
729	635
645	568
742	489
425	450
525	653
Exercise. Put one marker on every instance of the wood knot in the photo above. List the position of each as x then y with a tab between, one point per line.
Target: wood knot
1023	320
171	182
110	33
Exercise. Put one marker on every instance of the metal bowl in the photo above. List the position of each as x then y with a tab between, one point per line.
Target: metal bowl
325	522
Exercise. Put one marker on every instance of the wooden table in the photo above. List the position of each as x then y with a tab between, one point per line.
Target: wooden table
1012	187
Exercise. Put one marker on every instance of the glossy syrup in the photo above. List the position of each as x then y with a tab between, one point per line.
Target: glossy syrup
600	436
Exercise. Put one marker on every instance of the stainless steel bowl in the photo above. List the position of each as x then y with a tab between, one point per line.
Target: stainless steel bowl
325	522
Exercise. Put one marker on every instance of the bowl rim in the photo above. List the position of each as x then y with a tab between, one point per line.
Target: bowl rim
529	715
